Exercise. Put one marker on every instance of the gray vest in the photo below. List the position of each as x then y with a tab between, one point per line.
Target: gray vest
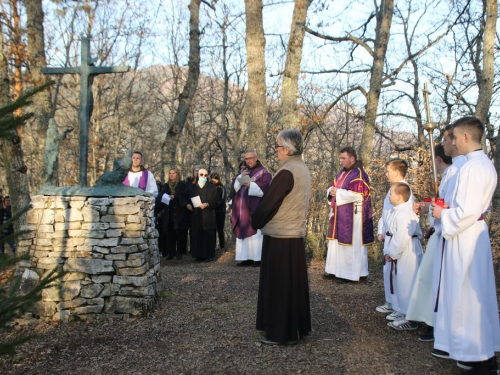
290	220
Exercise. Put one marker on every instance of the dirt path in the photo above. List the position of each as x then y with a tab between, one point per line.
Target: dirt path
204	323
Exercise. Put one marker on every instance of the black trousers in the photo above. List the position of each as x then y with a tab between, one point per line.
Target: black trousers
176	241
220	218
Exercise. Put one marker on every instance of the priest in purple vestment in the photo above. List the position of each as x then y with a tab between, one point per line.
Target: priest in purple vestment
250	185
140	177
351	222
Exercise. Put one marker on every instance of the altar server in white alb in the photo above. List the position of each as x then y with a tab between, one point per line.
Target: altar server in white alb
403	250
395	172
140	177
467	324
423	296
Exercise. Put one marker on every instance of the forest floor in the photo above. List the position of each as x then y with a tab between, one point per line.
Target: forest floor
204	323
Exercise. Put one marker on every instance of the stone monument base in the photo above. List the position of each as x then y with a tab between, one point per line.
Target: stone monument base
107	248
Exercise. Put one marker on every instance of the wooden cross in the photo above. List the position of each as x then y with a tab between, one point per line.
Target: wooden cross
87	71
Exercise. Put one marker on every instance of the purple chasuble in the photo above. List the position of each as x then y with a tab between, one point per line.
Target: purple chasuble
143	180
244	204
342	221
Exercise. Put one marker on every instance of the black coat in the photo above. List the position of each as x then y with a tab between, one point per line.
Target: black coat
173	212
221	190
208	194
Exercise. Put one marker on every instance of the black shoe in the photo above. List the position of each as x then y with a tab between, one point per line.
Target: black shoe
427	335
440	354
328	276
266	341
342	281
256	264
179	257
209	260
489	366
244	263
169	257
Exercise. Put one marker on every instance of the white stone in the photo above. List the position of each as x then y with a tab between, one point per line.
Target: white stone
136	271
48	217
101	242
102	250
64	291
113	233
116	256
135	227
99	201
89	266
93	309
46	228
131	280
101	279
126	210
76	204
33	216
68	225
90	215
116	225
125	201
91	291
113	219
128	305
73	214
130	263
133	219
132	241
95	226
124	249
63	316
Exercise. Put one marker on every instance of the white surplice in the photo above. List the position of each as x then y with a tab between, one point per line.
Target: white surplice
249	248
381	230
404	247
467	323
423	299
344	261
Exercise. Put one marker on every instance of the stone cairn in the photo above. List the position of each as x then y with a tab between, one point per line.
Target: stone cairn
108	248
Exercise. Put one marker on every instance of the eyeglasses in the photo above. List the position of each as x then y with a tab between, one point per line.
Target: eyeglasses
203	175
253	157
278	146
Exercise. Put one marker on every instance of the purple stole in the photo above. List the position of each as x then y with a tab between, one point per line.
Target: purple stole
342	221
244	205
143	180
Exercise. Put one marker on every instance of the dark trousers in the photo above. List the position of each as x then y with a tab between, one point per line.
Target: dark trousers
220	218
176	241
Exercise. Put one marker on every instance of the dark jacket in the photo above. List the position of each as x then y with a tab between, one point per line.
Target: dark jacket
174	211
221	190
208	194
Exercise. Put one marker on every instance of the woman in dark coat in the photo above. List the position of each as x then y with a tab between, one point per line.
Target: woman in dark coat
220	215
176	228
202	231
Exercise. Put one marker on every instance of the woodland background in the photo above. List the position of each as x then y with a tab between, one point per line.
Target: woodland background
209	79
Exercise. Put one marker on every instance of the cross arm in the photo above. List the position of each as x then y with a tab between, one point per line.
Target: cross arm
68	70
94	70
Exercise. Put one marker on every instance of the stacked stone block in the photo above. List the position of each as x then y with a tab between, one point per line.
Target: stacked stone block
108	248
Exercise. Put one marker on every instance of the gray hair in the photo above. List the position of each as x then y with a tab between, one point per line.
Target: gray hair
251	150
292	139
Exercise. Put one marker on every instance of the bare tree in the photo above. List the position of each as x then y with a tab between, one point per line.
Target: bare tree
290	85
256	114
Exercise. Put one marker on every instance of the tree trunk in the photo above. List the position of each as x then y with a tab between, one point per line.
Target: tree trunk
382	35
290	85
187	94
485	76
41	101
15	170
256	106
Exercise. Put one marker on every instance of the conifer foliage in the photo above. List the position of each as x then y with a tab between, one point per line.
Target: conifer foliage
13	303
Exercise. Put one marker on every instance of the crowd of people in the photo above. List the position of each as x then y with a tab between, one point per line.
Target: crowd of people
450	287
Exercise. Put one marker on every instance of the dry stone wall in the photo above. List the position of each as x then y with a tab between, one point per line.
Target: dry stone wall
108	248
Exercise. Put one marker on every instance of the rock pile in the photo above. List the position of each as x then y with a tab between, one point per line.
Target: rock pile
108	248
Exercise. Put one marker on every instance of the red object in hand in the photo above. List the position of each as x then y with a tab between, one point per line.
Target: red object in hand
427	199
440	202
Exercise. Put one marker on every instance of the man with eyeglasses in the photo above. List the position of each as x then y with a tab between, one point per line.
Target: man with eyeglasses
247	198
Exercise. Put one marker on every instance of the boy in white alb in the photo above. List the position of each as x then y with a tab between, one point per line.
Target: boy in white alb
467	326
403	251
395	172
